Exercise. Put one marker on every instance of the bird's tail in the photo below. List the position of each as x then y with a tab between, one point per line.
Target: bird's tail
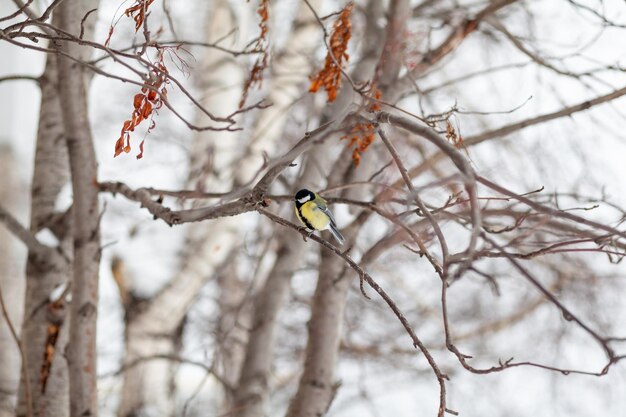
336	234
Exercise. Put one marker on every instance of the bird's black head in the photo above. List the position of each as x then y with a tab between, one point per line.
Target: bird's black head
303	196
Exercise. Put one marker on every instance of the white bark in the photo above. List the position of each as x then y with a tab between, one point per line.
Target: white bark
211	243
146	385
317	385
151	332
12	256
51	173
291	70
252	392
81	354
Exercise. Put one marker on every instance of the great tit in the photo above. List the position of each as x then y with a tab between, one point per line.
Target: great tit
312	212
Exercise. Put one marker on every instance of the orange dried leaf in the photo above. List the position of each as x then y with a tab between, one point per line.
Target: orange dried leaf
360	138
315	85
139	98
138	12
119	146
140	154
330	76
260	45
376	94
332	94
151	98
48	354
137	118
147	109
451	135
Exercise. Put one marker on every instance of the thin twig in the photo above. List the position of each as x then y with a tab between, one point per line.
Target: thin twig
417	343
20	346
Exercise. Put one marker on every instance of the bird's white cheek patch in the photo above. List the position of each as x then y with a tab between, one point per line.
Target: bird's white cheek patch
304	199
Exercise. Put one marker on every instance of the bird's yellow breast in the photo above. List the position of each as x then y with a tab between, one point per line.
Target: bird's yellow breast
311	214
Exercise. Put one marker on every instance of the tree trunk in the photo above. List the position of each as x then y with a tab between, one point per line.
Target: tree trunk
50	154
293	65
214	163
154	329
317	386
252	391
51	174
147	385
292	68
12	256
81	354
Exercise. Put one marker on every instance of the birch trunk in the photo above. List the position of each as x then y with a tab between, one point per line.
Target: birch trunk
215	160
317	387
81	354
291	70
51	174
254	387
11	278
153	330
252	392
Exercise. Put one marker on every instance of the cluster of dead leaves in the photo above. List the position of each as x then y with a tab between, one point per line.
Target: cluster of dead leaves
137	11
329	77
261	45
148	101
452	136
363	134
153	93
360	138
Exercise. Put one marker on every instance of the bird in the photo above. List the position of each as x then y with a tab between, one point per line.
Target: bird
313	213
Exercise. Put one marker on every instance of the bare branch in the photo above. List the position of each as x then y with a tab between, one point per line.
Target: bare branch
448	45
567	111
423	209
20	78
22	7
29	397
247	202
417	343
44	255
551	211
172	358
462	164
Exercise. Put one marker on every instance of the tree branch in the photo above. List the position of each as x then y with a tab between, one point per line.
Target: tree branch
248	202
20	78
462	164
20	346
43	255
417	343
567	111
